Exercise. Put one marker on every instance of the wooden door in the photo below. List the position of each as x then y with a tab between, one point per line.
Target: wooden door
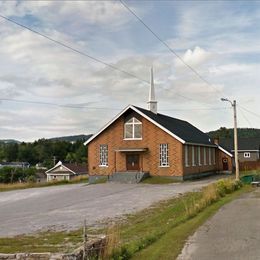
225	164
132	162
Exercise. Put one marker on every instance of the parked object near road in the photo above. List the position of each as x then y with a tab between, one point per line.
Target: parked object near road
251	179
247	179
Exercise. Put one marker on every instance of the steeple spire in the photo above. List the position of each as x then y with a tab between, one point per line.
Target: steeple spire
152	103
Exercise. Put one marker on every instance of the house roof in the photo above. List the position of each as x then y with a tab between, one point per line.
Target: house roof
71	167
179	129
244	144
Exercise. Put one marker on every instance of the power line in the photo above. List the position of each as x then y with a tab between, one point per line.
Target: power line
55	104
251	112
87	55
196	109
167	46
101	108
72	49
242	113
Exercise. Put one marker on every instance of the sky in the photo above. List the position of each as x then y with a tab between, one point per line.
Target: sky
47	90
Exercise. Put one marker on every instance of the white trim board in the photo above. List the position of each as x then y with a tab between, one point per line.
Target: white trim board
225	151
140	113
60	164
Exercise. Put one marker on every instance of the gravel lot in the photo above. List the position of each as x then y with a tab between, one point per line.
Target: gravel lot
232	234
65	207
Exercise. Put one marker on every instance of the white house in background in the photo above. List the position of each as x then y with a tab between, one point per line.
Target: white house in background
65	171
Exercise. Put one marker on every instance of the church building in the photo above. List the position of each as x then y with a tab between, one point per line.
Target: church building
141	142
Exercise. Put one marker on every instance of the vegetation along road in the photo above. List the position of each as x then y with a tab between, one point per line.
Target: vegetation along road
65	207
233	233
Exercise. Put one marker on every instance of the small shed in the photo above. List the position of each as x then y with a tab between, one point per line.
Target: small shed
66	171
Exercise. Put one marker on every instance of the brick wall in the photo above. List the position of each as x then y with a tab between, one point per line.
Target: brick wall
220	156
204	166
152	137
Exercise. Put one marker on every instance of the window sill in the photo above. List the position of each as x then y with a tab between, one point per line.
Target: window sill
103	166
164	166
132	139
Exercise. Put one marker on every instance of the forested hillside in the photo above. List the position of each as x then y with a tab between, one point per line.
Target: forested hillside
224	132
44	151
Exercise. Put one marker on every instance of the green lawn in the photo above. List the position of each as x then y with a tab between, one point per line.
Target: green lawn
159	180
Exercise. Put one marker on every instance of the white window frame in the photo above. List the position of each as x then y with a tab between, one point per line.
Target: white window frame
204	156
164	155
186	155
198	154
209	155
103	155
193	155
247	155
133	124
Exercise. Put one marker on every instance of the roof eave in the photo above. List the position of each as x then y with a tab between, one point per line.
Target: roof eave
108	124
225	151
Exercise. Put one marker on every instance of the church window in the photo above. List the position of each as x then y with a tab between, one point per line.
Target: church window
133	129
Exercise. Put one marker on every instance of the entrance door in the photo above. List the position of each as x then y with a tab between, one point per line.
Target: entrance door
225	164
132	162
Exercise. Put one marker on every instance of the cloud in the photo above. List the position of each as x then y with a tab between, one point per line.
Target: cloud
74	15
194	58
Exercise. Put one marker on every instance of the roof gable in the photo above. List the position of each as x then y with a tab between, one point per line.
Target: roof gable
72	168
179	129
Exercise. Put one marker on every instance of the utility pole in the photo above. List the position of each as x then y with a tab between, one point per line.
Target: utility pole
234	105
235	139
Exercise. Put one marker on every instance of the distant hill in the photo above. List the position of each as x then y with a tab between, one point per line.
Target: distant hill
224	132
10	141
71	138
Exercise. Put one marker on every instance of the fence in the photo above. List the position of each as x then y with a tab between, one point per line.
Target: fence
249	166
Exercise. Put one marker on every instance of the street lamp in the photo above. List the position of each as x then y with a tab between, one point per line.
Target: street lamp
233	104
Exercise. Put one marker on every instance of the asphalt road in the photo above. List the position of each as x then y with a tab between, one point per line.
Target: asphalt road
66	207
232	234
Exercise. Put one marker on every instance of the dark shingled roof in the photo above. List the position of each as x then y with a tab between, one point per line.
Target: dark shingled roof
180	128
243	143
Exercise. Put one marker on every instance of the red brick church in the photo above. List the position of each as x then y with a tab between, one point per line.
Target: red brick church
139	142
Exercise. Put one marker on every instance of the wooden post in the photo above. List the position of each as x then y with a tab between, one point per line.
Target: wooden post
84	240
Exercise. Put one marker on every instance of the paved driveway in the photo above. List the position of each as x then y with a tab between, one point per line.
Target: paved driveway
65	207
232	234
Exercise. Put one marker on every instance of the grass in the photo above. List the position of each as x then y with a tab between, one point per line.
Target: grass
143	235
42	242
27	185
253	172
146	228
169	246
158	180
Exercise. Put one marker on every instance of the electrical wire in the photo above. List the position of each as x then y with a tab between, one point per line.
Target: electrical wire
242	113
251	112
167	46
72	49
101	108
87	55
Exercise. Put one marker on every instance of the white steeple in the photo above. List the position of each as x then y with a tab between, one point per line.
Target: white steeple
152	103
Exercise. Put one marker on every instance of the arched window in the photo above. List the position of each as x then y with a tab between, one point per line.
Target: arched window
133	129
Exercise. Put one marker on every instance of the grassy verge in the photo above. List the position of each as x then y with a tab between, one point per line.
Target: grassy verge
146	228
253	172
158	180
27	185
140	235
42	242
169	246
